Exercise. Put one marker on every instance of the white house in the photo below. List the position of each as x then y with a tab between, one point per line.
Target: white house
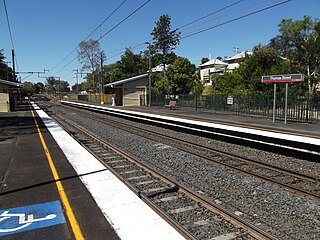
215	66
233	62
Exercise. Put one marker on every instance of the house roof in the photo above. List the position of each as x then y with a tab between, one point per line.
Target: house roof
214	62
13	84
239	55
159	68
126	80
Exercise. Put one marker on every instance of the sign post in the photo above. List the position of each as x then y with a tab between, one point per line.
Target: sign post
274	102
286	105
286	78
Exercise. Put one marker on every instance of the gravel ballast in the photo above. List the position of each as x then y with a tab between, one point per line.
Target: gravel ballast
271	208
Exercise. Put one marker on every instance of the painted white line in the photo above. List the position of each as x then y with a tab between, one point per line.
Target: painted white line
129	216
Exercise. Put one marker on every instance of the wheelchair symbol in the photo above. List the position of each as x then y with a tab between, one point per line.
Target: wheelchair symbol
23	220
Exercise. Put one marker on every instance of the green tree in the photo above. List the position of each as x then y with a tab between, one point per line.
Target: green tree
39	87
51	85
247	78
5	71
204	60
299	42
180	77
165	40
2	57
63	86
129	65
132	64
81	87
28	89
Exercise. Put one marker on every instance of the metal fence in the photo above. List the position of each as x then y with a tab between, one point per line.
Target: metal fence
300	108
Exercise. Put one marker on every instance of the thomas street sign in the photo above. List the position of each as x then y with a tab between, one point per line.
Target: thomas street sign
287	78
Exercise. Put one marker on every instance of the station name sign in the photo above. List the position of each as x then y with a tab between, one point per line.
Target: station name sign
287	78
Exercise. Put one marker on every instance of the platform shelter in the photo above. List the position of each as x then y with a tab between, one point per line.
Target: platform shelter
9	92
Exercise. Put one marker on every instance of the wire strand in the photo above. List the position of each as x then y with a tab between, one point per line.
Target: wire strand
105	34
90	33
234	19
8	22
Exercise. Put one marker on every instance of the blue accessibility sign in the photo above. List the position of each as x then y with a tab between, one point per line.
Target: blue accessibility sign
20	219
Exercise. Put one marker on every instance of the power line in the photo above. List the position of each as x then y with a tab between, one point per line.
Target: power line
91	33
115	54
225	15
11	38
210	14
198	31
5	7
105	34
139	46
183	26
234	19
124	20
106	19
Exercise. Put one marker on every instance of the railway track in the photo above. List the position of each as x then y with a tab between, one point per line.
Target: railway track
191	214
292	181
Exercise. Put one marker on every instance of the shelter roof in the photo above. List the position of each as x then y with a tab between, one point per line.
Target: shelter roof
158	68
10	83
127	80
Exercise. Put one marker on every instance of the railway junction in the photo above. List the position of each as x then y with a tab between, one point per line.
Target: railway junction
64	177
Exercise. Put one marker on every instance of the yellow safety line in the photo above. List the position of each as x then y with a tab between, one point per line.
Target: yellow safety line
65	202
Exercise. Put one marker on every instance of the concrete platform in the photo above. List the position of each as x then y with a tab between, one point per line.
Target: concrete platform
311	129
27	183
31	206
308	129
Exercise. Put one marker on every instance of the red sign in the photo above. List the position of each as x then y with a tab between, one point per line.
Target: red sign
283	78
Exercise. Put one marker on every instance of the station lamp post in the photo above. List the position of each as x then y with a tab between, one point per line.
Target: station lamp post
149	73
77	72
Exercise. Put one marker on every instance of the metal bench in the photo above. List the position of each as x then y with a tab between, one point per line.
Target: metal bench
172	105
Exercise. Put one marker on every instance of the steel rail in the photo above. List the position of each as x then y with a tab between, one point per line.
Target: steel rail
286	172
229	216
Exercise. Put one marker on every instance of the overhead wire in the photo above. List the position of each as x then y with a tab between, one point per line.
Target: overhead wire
234	19
194	21
179	28
208	15
225	15
105	34
110	15
10	32
8	22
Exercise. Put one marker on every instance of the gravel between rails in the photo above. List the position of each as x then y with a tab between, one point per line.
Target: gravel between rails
279	212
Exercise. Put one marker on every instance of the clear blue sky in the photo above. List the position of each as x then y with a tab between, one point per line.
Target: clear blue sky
46	31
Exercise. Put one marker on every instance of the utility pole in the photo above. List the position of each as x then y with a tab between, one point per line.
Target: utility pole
77	72
13	66
59	86
101	79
